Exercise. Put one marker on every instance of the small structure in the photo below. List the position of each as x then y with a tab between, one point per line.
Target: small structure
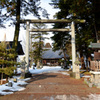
19	49
95	65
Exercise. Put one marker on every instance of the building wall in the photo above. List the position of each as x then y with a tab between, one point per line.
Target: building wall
51	62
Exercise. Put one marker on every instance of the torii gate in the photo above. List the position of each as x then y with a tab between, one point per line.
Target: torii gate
72	30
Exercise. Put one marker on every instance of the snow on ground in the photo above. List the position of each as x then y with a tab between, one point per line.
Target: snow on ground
16	87
73	97
46	69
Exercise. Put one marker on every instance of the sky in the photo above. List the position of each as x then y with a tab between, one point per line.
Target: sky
9	31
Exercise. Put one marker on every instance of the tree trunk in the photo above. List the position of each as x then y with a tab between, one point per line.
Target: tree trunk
1	78
17	25
89	59
82	61
38	64
65	59
6	79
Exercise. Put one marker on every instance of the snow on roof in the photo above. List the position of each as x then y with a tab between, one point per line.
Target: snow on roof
94	45
50	54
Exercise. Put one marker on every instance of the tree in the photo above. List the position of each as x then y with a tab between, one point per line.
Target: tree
88	32
90	10
61	40
37	44
85	33
11	10
7	60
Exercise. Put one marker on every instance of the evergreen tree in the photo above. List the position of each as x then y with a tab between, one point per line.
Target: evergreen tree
62	40
7	60
37	44
85	33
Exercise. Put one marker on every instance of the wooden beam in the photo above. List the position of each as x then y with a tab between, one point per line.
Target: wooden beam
50	30
53	21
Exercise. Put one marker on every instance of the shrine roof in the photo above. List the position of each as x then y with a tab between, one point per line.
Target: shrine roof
50	54
94	45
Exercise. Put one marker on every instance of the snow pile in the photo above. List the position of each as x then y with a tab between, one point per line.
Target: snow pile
46	69
5	89
72	97
94	97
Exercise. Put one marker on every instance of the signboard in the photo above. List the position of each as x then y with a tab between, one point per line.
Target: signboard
96	55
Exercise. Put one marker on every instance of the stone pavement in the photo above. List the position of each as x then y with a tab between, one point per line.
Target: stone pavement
55	86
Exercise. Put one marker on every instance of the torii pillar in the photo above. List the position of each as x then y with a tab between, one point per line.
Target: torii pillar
27	46
73	46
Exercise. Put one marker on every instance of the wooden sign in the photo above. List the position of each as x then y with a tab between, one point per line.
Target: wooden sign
96	55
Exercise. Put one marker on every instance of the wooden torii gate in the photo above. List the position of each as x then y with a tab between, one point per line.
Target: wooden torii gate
72	30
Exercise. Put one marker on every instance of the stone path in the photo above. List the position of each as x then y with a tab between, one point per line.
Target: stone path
55	86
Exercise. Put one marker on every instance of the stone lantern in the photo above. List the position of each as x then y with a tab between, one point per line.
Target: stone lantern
77	69
23	63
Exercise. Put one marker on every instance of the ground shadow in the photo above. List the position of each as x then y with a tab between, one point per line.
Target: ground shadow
36	77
